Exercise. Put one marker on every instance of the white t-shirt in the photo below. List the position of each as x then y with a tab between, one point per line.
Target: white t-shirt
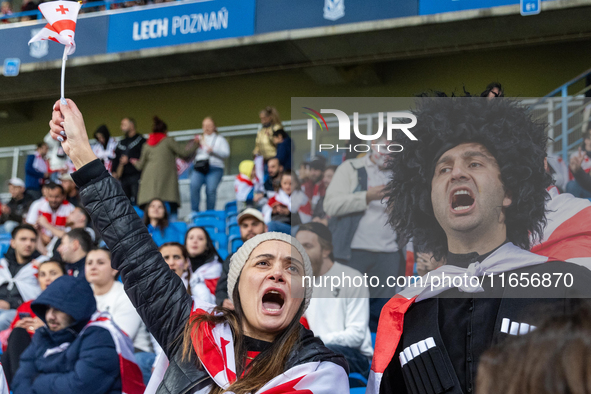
341	316
116	302
221	150
374	233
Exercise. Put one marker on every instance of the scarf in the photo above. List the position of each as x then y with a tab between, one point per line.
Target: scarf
155	138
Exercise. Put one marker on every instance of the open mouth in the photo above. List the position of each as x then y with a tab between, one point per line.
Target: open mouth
461	200
273	301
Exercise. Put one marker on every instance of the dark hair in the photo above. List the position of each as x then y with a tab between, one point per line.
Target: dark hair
490	87
86	216
506	129
277	185
24	226
59	263
41	144
280	132
267	365
553	359
162	223
185	254
102	129
53	186
333	168
210	250
82	236
274	158
132	121
159	126
319	228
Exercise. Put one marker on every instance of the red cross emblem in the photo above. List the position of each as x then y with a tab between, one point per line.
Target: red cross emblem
62	9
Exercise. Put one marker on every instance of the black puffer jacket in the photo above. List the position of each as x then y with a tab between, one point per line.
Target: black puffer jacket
156	291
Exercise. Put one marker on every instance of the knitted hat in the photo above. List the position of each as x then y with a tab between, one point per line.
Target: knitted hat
239	259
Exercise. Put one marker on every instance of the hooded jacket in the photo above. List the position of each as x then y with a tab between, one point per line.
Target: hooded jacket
66	361
156	291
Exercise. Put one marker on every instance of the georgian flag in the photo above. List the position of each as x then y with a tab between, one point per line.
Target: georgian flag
390	326
215	348
61	23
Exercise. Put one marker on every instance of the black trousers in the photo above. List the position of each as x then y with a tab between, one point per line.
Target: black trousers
18	341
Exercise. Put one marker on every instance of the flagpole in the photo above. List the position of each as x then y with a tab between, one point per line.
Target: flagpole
64	58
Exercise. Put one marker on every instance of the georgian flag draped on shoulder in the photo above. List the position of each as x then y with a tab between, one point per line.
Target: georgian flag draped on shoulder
61	23
132	381
214	346
567	235
506	258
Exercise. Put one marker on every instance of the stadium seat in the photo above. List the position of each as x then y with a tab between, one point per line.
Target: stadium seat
232	218
373	339
223	254
220	241
181	227
211	223
3	248
221	215
235	242
231	207
357	390
233	229
5	237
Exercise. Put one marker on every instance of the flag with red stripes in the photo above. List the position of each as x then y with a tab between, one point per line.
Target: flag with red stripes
132	381
567	235
61	23
214	345
390	326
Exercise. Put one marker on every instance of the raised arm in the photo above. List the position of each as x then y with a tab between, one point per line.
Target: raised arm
157	293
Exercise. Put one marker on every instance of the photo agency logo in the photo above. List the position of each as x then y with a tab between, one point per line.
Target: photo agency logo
375	141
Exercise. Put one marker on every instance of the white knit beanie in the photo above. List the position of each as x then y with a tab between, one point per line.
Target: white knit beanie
243	253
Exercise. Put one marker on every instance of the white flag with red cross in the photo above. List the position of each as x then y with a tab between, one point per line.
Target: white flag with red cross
61	23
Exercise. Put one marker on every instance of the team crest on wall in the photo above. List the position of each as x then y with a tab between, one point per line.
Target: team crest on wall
334	9
38	49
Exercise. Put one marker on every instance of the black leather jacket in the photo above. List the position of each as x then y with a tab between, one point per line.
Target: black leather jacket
156	291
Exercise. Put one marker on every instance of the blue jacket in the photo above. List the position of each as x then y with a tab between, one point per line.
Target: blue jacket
170	234
32	176
88	365
284	151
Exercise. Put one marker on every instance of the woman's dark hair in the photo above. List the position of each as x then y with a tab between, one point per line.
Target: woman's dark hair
58	263
210	249
102	129
269	364
553	359
185	254
159	126
162	223
506	129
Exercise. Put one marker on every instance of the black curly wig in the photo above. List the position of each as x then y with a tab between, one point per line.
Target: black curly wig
511	135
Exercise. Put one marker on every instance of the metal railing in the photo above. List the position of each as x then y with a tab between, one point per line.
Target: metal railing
567	112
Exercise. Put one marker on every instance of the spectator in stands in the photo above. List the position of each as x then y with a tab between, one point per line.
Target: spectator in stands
77	219
74	247
177	258
209	165
340	315
70	189
36	170
303	174
285	148
110	297
270	181
17	337
159	175
56	157
13	213
104	147
301	208
74	354
251	224
277	212
54	209
131	148
264	143
494	89
315	174
5	10
580	166
206	264
362	239
552	359
156	219
244	185
28	6
320	190
258	282
18	281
